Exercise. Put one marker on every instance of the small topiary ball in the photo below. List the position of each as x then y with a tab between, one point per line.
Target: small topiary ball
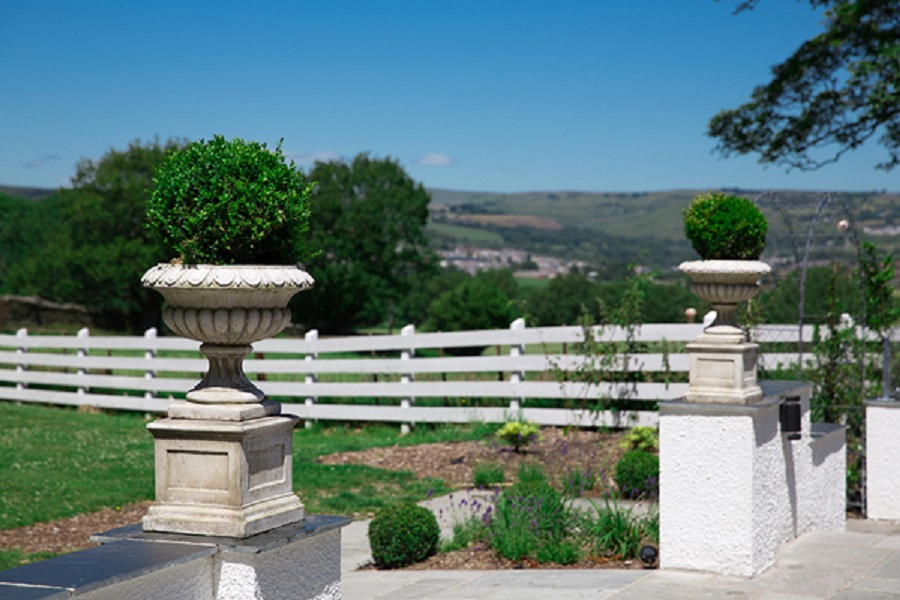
637	474
402	535
723	227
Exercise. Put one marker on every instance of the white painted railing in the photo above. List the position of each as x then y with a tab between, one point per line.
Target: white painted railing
311	375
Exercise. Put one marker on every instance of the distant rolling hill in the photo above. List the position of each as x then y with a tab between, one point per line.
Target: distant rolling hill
606	228
26	193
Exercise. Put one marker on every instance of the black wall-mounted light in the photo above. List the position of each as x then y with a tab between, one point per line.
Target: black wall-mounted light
790	417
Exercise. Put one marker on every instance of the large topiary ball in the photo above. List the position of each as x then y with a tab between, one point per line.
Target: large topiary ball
225	202
724	227
402	535
637	474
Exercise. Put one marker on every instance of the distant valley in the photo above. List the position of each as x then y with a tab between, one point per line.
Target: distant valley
606	229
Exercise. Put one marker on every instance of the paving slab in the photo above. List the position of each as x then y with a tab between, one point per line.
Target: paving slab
862	563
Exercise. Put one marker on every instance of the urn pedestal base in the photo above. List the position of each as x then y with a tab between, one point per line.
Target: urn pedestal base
221	477
723	369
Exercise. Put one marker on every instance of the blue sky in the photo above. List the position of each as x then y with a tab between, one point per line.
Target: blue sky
502	96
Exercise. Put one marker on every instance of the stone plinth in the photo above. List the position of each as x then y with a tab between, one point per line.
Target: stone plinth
723	369
225	472
733	487
883	460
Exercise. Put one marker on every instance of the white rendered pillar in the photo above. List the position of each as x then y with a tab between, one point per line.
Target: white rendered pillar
734	487
883	460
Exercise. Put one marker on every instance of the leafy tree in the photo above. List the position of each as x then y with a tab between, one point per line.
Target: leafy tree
563	300
424	287
23	230
502	278
473	304
824	291
368	219
96	247
877	274
836	91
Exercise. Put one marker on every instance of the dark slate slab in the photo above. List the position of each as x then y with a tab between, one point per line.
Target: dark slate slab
774	392
312	526
777	388
13	592
86	570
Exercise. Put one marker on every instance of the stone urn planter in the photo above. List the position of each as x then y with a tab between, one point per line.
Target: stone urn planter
227	308
725	284
223	458
728	232
228	209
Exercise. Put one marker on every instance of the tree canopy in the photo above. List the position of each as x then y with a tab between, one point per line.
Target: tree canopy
93	247
838	90
368	220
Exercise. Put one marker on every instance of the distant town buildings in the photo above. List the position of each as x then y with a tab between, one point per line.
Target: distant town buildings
526	266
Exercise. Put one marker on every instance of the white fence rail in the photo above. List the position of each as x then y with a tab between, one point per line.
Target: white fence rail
382	375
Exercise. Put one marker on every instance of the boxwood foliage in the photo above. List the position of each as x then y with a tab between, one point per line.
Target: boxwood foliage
403	534
231	202
637	474
725	227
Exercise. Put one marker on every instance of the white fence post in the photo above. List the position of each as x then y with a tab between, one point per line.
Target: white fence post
311	337
83	335
515	404
21	333
150	355
407	354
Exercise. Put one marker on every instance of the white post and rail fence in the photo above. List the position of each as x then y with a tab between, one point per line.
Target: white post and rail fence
408	378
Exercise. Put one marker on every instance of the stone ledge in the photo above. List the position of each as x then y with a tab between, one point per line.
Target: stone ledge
128	553
15	592
882	403
774	392
263	542
87	570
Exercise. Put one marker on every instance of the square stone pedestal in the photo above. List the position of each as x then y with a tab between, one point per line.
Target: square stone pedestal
218	477
723	370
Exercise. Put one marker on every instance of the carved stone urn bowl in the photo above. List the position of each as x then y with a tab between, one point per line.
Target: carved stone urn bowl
227	308
725	284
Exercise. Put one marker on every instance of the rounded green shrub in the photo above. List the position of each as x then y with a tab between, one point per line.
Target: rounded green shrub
637	474
402	535
725	227
519	433
641	437
226	202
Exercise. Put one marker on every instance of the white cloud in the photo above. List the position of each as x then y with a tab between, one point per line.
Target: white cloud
311	158
435	160
41	161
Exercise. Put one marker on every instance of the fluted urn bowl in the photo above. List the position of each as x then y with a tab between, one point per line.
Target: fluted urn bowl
227	308
725	284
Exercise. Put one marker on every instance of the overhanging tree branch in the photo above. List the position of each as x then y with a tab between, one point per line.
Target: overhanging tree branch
838	90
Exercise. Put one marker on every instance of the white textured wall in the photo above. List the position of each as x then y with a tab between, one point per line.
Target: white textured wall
883	460
706	511
305	570
733	488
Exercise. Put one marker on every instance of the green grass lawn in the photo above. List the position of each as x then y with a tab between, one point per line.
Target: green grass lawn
58	462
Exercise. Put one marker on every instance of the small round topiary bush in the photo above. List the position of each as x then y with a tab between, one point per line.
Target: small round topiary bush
724	227
637	474
402	535
519	433
226	202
